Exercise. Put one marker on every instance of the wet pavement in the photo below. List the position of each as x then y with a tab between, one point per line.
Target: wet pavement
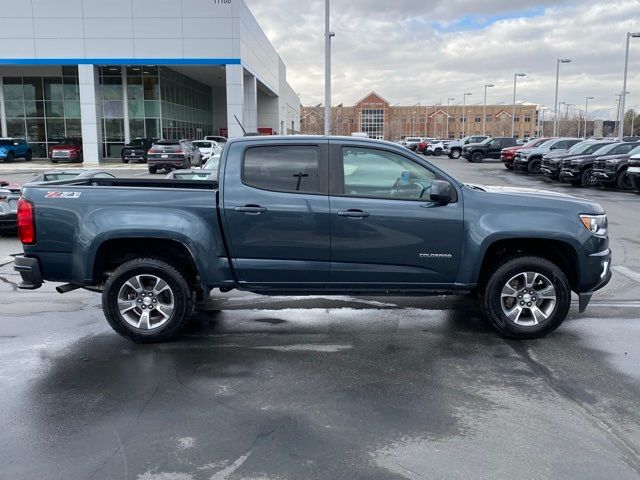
326	387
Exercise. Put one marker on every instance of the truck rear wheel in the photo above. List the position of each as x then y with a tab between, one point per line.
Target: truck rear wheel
526	297
147	300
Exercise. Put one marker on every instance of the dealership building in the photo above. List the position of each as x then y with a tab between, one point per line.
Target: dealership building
112	71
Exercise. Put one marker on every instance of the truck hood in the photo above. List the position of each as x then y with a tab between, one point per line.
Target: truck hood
533	196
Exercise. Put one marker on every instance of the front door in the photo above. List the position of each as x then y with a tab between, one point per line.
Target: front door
385	230
276	213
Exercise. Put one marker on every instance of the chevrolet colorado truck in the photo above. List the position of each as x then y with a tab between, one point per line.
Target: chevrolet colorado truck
313	215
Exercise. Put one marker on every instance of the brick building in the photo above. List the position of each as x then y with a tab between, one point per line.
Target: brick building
379	119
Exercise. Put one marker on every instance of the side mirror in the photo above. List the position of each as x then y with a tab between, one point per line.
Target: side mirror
442	192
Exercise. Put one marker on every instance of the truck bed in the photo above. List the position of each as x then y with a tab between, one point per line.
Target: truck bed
136	183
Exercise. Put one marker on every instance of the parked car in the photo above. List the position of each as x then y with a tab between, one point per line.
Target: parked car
9	196
530	159
136	150
207	148
633	171
215	138
412	142
578	171
490	148
172	154
12	148
279	223
454	148
508	154
551	162
198	174
436	147
77	174
67	150
422	146
611	170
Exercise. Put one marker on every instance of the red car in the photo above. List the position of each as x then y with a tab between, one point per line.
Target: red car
508	154
68	150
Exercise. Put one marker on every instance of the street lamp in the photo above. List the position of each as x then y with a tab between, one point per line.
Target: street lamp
464	115
555	111
541	112
623	99
484	109
328	34
513	109
449	100
586	111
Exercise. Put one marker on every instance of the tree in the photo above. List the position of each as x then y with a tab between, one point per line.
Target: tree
631	123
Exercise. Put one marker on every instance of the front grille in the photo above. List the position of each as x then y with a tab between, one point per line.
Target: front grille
599	165
566	164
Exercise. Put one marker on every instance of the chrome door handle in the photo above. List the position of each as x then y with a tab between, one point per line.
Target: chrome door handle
251	209
353	213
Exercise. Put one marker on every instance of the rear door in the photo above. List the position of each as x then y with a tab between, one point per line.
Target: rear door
384	229
276	212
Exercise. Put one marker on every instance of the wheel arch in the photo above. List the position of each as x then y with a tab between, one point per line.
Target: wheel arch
559	252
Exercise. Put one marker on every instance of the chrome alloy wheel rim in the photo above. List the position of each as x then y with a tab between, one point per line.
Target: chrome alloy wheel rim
528	299
146	302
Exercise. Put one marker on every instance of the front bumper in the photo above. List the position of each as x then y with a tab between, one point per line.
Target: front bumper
568	175
551	170
521	165
29	270
605	176
634	177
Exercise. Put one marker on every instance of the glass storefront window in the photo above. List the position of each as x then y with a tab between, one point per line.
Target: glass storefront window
114	130
151	109
73	127
36	130
33	88
55	128
34	108
136	109
14	108
54	109
72	109
15	128
53	89
13	88
136	128
71	89
113	109
151	88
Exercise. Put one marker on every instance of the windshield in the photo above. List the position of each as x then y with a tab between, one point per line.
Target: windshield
138	142
53	177
6	142
594	148
484	142
202	144
635	151
582	147
536	142
614	148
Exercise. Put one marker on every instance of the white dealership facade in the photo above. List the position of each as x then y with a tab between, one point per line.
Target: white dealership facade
111	71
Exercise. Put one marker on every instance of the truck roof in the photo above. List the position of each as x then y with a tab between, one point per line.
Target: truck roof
314	138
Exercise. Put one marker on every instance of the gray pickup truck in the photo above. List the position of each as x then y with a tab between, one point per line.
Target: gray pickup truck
313	215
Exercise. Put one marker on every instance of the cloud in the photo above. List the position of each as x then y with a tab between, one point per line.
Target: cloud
411	51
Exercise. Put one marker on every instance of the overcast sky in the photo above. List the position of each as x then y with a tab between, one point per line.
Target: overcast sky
412	51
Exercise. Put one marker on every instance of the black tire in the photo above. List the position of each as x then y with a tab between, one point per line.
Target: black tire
624	182
437	152
80	158
477	157
29	155
534	166
10	157
587	179
182	299
54	161
455	153
125	160
491	301
508	166
153	170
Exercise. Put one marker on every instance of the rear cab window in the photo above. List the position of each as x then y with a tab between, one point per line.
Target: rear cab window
282	168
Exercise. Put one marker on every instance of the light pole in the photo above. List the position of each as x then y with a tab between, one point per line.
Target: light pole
623	99
448	103
513	109
464	114
328	34
555	110
484	108
540	129
586	111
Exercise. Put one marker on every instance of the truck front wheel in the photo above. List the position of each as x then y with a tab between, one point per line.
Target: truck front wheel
147	300
455	153
526	297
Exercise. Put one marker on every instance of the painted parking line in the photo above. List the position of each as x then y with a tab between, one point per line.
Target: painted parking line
627	272
5	261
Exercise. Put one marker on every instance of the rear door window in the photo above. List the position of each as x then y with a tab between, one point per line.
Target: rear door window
282	168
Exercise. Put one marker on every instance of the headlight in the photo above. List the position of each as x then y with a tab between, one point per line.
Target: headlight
596	224
614	161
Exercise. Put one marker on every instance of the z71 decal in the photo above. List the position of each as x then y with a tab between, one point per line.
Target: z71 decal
63	195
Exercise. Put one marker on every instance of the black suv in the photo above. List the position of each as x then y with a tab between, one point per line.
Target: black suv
578	171
136	150
611	170
552	161
490	148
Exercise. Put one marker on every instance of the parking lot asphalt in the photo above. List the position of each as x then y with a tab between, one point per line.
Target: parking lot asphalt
326	387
